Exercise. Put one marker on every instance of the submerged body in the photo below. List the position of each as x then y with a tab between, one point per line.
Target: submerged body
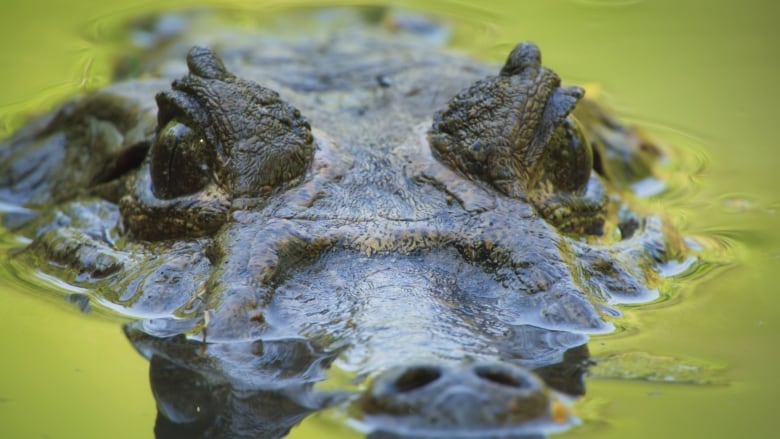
362	198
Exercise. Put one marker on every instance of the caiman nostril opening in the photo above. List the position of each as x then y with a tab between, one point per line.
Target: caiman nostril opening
502	377
416	377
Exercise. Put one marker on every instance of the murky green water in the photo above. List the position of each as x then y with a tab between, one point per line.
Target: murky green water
699	74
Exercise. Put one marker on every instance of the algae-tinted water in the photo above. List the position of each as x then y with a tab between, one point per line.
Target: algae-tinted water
697	74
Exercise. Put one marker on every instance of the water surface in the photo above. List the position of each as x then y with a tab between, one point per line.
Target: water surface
698	75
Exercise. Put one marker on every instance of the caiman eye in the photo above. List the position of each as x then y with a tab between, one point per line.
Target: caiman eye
181	161
220	140
568	160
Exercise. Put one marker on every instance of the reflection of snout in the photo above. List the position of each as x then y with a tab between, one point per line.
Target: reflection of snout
477	397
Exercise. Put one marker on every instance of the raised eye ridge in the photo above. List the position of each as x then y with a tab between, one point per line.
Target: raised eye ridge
260	142
514	132
499	130
219	138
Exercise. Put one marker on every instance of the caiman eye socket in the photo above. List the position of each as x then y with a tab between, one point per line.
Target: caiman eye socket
569	159
181	161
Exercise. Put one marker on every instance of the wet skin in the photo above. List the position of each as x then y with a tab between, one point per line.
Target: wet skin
439	225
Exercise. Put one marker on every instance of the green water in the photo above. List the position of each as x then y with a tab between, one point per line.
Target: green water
698	74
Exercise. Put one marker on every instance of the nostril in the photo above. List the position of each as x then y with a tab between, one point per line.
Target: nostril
417	377
501	376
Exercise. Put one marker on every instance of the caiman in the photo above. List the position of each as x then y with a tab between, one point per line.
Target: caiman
269	203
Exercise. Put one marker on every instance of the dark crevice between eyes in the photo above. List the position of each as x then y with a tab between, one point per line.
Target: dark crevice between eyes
598	164
128	160
109	182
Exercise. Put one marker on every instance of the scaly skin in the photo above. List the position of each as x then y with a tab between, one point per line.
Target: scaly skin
384	201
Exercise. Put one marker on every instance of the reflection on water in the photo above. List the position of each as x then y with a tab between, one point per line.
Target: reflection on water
238	390
232	390
731	319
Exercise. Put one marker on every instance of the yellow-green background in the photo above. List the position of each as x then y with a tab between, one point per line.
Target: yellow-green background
700	73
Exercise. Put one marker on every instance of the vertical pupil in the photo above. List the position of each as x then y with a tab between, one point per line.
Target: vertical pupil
569	165
180	162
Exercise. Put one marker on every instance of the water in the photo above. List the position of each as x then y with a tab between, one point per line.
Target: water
700	76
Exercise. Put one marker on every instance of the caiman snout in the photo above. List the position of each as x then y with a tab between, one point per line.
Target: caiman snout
432	401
